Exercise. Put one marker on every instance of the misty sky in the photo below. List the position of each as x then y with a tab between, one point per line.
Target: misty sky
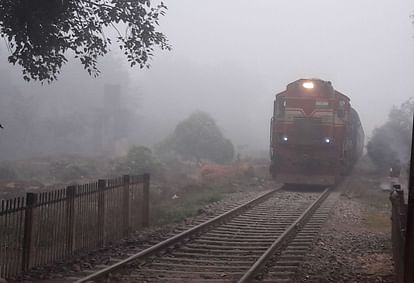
254	48
231	57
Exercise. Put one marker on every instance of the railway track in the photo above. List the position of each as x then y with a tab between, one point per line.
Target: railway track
262	240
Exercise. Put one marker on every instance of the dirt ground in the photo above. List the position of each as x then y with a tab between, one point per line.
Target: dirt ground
355	243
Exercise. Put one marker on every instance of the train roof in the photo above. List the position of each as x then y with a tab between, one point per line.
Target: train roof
324	86
342	95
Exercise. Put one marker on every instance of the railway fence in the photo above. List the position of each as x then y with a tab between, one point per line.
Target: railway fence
44	227
398	233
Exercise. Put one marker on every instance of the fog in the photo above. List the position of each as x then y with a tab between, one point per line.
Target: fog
229	59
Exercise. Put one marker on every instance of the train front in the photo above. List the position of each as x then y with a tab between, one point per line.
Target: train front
307	133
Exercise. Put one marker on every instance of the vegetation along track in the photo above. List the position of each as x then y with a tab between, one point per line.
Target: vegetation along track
264	239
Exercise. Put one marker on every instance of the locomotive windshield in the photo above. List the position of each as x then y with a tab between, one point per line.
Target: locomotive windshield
307	130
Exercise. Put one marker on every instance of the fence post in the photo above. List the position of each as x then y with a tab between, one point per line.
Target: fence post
31	201
70	219
145	201
101	211
126	204
398	230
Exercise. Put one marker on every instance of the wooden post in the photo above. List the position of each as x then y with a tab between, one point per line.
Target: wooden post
126	204
101	211
409	236
397	232
70	219
31	201
145	201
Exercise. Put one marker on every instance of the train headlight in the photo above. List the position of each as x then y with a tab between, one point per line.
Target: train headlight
327	140
285	138
308	85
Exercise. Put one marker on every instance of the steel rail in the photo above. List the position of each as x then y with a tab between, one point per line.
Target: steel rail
249	275
177	238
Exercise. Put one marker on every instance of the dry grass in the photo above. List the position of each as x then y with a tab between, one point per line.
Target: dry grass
186	205
376	221
195	193
365	186
190	200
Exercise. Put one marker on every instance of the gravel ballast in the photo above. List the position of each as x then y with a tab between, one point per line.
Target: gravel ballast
355	243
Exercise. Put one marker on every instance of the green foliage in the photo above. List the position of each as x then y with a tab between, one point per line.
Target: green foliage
392	141
199	137
139	160
40	32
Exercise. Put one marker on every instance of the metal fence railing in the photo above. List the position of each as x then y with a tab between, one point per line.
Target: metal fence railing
41	228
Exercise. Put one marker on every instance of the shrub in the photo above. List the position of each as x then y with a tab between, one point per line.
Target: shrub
65	170
198	137
139	160
391	142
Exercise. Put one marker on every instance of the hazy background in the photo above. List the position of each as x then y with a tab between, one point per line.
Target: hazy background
229	59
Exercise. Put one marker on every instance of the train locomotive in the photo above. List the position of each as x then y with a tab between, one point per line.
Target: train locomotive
316	136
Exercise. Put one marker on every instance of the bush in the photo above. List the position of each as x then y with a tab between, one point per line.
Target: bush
391	142
139	160
198	137
66	170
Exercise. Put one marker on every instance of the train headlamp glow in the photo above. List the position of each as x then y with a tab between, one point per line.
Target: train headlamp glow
327	140
308	85
285	139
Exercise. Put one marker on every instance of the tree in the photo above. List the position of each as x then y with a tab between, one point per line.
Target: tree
39	33
199	137
392	141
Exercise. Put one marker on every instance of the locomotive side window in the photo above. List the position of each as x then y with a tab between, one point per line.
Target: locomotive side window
280	106
341	109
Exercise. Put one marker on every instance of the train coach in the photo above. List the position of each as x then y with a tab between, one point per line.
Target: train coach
316	136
